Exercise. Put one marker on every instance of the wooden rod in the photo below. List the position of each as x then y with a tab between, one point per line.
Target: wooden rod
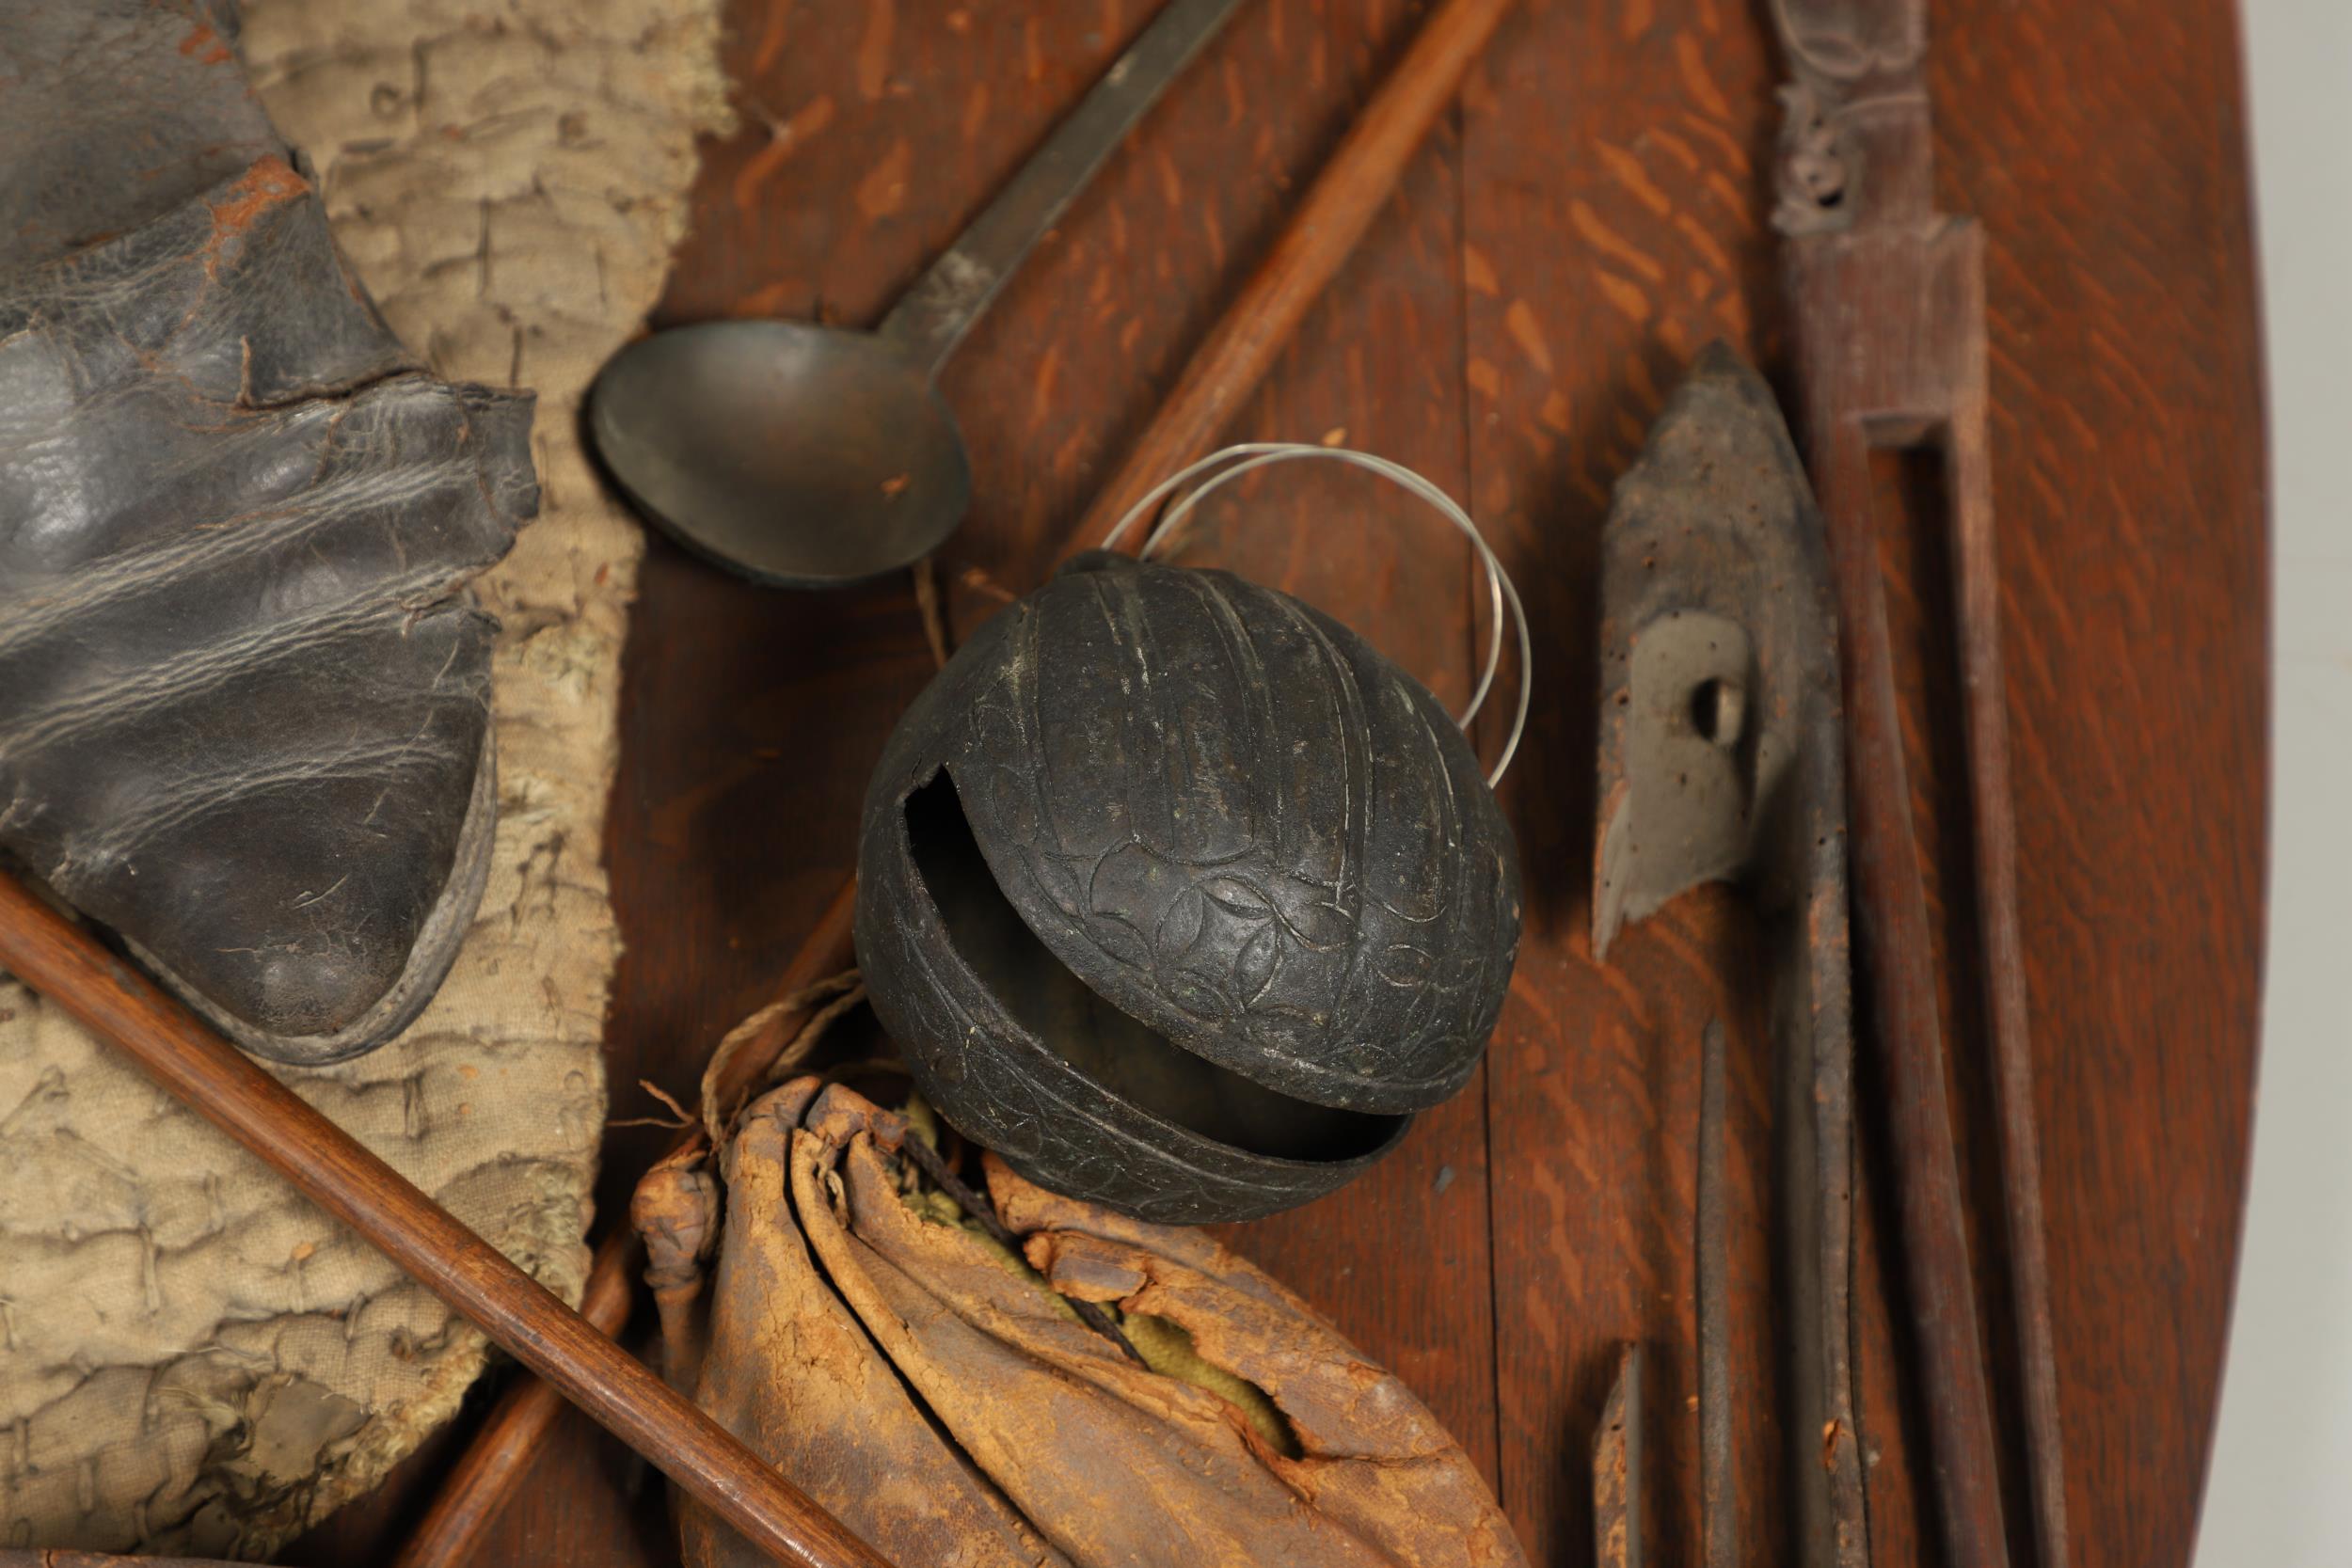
1993	816
1887	296
499	1455
56	958
1898	949
1325	231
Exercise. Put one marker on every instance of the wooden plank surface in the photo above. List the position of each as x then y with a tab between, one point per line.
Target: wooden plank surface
1591	217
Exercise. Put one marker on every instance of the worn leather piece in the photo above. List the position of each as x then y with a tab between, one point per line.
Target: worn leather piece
115	112
1274	904
243	695
939	1397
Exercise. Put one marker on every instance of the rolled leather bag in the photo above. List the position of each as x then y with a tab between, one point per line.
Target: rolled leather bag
243	692
937	1392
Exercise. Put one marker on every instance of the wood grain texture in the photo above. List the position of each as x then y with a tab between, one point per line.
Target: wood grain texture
2127	455
1614	154
1595	215
1332	215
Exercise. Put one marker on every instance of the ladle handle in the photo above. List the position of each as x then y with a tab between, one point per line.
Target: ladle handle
934	315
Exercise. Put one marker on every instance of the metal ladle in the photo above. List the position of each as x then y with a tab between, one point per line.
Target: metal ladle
809	457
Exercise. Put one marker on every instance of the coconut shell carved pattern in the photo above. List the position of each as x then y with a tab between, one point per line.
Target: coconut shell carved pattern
1181	897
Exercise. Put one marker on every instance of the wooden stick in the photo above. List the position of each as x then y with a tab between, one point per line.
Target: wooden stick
1229	363
501	1453
48	952
1321	235
1897	947
1993	816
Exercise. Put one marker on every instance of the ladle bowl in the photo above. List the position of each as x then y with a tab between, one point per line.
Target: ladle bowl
798	455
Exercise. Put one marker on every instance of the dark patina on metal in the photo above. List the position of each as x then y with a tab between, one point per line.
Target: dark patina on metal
1180	896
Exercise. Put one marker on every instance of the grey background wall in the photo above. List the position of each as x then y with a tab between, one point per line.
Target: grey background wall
2281	1489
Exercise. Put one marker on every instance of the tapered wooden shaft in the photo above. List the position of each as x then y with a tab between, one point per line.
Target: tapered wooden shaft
56	1556
1617	1468
64	962
1993	828
1898	949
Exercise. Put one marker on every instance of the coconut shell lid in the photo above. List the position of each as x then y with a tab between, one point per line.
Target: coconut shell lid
1231	818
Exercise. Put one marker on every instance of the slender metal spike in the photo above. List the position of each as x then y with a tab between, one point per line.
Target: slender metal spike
1719	1502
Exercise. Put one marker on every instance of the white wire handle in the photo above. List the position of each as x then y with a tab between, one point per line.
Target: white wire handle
1259	454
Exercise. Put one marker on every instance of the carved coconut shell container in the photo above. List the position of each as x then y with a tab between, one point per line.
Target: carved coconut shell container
1180	897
